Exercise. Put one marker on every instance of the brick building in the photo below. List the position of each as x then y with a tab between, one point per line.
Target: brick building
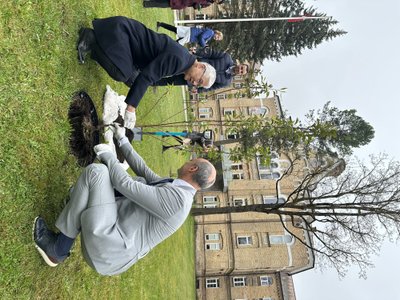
247	255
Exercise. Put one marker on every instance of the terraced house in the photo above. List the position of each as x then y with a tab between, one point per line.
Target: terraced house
246	255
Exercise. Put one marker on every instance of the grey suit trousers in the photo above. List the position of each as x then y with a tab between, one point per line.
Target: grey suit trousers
92	188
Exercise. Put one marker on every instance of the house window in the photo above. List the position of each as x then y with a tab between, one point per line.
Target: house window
244	240
273	200
236	167
213	246
265	298
270	171
258	111
280	239
221	96
210	201
237	176
237	85
205	112
274	155
273	164
273	175
204	116
212	236
239	202
212	283
229	111
265	280
239	281
236	77
232	136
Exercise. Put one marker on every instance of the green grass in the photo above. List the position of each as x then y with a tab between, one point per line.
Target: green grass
38	75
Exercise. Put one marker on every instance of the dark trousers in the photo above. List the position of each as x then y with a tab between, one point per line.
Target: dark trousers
102	59
156	3
168	27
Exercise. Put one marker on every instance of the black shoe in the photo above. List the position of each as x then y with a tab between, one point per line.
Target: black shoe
85	42
45	240
158	25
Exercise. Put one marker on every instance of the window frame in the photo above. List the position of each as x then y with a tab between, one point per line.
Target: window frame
273	200
210	204
212	246
248	240
229	111
212	236
209	283
243	200
240	176
239	281
280	239
221	96
267	280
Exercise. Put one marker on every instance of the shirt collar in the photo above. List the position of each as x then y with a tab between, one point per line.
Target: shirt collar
183	183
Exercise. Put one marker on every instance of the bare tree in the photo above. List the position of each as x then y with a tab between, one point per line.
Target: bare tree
348	210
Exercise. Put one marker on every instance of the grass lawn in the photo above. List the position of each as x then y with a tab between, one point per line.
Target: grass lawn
39	73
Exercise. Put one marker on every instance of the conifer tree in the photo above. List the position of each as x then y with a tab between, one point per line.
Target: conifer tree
273	40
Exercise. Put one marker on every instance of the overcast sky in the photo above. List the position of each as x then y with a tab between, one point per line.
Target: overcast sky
359	70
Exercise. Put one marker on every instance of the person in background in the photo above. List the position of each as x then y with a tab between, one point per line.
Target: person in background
200	36
191	138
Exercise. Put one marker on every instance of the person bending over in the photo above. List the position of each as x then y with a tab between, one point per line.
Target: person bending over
136	55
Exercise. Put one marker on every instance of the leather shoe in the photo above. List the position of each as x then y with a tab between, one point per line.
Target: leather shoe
85	41
45	240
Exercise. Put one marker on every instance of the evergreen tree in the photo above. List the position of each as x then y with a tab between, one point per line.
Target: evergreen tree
273	40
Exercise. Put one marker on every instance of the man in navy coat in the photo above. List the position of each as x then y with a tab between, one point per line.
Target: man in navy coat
139	57
222	62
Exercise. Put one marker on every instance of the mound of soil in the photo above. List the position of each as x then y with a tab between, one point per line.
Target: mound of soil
84	123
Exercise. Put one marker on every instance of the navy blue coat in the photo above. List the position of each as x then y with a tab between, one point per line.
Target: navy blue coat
221	61
131	46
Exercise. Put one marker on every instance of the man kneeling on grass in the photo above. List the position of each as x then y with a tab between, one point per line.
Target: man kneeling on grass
121	218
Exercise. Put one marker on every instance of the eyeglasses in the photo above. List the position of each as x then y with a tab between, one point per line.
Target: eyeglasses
200	81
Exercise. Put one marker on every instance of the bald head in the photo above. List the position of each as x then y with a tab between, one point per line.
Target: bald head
198	172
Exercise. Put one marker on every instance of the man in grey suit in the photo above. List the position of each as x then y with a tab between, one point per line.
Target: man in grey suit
117	231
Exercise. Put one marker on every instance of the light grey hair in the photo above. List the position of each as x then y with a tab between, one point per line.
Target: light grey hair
209	73
202	176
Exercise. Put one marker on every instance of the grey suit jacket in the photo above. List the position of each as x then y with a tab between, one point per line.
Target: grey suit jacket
117	235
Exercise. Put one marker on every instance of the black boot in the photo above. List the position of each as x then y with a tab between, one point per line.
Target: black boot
85	42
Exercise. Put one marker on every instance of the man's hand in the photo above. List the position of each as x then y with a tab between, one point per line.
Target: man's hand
130	117
118	130
102	149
